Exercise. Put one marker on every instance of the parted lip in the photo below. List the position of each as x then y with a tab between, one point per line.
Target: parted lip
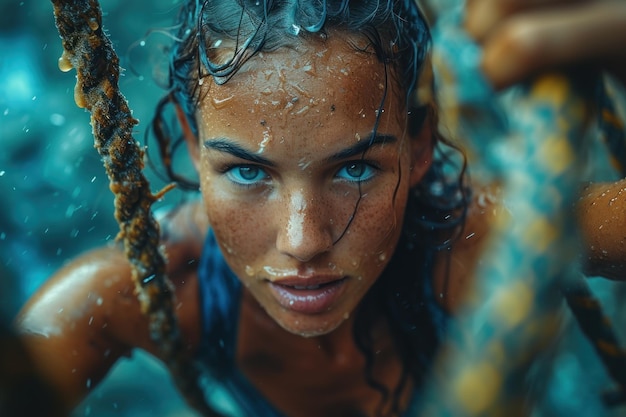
307	281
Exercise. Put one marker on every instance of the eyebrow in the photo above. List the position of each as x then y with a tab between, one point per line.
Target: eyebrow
225	145
362	146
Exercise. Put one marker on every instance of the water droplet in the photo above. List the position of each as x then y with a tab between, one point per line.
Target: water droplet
309	68
290	302
294	29
79	97
64	62
99	301
142	43
220	103
2	173
93	24
57	119
382	257
249	271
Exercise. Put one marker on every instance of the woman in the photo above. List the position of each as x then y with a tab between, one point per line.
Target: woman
313	249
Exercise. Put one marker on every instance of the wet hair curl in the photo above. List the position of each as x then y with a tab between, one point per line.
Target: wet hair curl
216	37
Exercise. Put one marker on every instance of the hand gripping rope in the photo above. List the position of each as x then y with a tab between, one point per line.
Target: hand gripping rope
535	150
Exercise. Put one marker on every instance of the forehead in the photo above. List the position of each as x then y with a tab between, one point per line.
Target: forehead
302	87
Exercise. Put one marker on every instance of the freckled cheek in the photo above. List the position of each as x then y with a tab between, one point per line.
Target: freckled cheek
238	226
376	229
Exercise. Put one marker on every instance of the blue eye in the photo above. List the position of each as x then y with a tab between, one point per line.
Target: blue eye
357	171
246	175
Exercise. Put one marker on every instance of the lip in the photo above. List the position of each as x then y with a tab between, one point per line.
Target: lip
312	295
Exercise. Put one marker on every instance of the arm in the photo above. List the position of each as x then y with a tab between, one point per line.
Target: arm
602	218
71	326
87	315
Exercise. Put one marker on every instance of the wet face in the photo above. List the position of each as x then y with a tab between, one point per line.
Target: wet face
306	205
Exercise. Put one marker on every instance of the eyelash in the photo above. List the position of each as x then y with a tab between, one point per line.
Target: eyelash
229	170
367	166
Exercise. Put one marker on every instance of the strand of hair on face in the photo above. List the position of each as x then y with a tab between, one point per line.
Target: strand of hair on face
87	49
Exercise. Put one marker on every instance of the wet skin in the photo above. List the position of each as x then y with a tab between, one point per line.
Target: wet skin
295	194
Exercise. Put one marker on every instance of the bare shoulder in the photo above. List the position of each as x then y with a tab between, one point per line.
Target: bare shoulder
454	267
87	315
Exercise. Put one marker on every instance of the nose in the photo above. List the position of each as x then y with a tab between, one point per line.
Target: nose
306	229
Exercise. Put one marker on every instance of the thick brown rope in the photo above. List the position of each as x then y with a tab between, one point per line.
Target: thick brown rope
88	49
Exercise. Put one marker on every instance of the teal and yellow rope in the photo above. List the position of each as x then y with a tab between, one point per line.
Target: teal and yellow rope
531	141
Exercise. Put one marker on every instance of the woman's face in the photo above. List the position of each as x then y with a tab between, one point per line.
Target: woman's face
306	212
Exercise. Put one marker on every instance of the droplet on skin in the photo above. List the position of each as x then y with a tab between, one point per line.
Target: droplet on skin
309	68
382	257
219	103
249	270
303	110
267	137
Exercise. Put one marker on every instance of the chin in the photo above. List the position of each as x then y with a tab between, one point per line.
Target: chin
308	327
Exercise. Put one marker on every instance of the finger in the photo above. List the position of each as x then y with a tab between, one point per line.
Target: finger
483	16
530	42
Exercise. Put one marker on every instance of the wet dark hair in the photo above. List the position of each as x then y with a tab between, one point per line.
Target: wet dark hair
216	37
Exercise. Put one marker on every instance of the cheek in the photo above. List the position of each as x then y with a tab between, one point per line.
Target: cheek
376	228
238	226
